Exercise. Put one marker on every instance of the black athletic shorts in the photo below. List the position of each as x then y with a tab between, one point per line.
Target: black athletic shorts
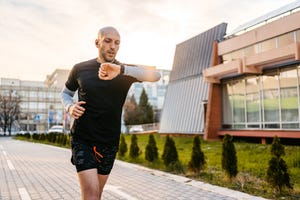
89	156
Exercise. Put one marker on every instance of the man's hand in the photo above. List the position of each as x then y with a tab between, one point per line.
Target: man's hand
76	110
108	71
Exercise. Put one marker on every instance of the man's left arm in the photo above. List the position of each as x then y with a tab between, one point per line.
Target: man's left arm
109	71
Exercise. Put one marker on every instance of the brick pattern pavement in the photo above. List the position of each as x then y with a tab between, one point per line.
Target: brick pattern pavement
45	172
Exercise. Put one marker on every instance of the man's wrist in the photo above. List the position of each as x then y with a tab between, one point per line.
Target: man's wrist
68	107
122	69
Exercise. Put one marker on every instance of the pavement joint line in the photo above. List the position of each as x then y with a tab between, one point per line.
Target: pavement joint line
10	165
115	189
4	153
24	194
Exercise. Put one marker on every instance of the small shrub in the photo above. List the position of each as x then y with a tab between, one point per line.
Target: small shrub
134	148
229	158
42	137
122	146
170	154
35	136
151	152
197	162
277	173
27	136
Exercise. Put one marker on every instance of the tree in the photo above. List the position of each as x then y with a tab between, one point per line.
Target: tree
145	108
9	109
131	112
229	159
170	154
134	148
151	152
277	173
123	146
197	161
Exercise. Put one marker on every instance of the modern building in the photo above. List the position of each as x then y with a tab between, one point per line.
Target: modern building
184	106
253	77
40	106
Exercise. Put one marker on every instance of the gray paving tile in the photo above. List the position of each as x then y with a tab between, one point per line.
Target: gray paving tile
46	173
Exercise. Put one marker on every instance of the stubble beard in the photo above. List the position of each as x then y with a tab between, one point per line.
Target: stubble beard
106	58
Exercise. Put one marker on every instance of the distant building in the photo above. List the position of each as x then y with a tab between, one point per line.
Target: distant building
40	105
155	91
57	79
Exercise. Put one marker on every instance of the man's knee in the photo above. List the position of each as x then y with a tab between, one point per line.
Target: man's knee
91	193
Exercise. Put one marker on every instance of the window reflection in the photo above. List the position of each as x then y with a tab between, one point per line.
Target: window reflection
289	95
227	105
270	97
269	101
253	99
238	101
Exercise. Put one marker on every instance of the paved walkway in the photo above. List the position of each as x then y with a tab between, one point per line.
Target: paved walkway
35	171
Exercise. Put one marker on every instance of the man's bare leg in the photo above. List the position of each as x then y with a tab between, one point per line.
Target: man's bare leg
102	181
89	184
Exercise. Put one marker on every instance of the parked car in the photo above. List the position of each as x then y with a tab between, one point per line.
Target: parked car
56	129
136	128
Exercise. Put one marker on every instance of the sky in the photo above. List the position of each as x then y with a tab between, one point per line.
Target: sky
37	37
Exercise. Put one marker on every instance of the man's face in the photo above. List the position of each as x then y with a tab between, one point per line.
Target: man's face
108	46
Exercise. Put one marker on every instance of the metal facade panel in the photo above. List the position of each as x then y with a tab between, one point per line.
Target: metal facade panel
193	55
183	111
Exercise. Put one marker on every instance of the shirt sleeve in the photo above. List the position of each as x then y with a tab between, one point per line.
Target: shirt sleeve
142	74
72	83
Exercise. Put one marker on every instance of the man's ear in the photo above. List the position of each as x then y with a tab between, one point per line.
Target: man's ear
96	42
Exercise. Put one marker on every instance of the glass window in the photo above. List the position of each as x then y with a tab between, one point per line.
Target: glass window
32	105
227	105
42	105
42	94
268	45
253	99
289	95
270	97
269	101
32	94
238	99
285	39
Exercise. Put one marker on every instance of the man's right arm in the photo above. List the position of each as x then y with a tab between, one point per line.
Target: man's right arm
67	98
75	109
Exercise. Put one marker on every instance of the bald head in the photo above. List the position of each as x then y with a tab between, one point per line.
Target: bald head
108	43
107	30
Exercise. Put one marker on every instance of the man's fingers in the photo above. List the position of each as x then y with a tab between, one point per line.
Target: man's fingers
81	102
78	110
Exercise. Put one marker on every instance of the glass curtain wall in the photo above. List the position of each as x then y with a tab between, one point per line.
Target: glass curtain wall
269	101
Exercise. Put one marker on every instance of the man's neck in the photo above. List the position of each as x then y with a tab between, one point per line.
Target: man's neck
99	60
